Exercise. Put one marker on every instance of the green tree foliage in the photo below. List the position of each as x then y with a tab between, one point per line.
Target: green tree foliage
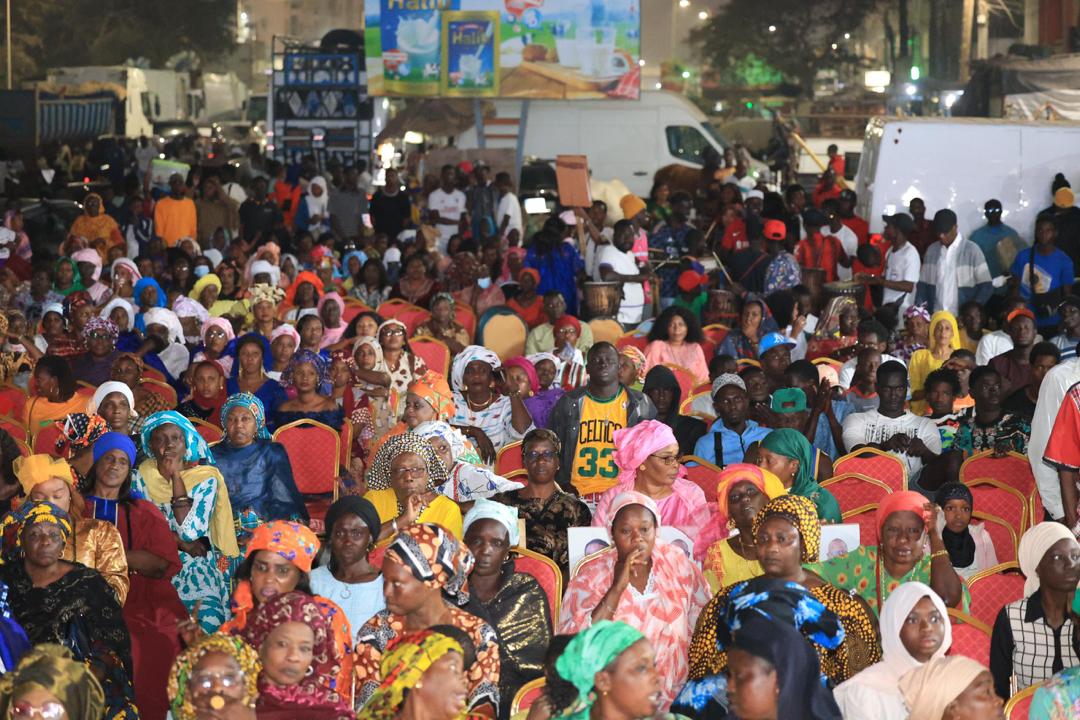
798	47
53	33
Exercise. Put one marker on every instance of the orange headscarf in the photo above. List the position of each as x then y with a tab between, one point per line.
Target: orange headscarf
435	391
302	277
908	500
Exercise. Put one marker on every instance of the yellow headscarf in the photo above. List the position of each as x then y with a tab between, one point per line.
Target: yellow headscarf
401	670
36	469
945	316
245	655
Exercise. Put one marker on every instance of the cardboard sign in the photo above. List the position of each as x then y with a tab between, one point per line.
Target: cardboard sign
572	178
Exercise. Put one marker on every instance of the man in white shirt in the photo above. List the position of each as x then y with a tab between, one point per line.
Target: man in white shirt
871	334
615	263
1051	394
508	211
914	439
953	269
447	205
847	237
997	342
902	264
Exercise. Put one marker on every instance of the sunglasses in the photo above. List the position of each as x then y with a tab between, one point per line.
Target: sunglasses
48	711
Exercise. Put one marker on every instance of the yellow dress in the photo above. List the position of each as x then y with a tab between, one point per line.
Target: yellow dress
724	566
97	544
442	510
922	364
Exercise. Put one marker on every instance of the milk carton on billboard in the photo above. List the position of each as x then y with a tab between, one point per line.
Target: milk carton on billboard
411	33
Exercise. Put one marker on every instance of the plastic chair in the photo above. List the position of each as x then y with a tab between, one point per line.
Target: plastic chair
14	428
527	695
163	389
12	401
874	463
606	330
315	455
434	353
210	433
684	377
503	334
703	474
1013	470
630	339
45	439
509	459
465	315
993	589
998	499
1005	539
1019	704
866	518
970	637
546	573
853	490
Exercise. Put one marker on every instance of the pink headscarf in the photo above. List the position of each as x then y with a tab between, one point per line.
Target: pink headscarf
285	329
632	497
88	255
128	265
633	445
331	336
222	323
528	367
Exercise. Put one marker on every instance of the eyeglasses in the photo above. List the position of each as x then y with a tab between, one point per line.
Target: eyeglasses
567	331
48	711
215	332
668	460
393	331
534	455
414	471
205	680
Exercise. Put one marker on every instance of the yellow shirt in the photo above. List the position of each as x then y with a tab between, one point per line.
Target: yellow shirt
922	364
724	566
594	468
442	510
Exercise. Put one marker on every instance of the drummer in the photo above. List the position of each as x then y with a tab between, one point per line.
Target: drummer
818	250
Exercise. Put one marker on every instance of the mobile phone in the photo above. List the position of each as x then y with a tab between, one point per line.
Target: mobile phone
366	219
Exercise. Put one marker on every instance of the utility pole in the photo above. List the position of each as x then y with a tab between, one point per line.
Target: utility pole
965	39
7	23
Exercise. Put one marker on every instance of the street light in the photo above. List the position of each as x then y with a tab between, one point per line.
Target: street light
684	3
703	15
847	36
772	28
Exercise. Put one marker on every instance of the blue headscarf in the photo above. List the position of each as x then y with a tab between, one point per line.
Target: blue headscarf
141	285
253	405
322	367
196	448
345	261
114	441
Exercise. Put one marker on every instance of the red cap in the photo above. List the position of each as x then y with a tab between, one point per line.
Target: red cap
1019	312
465	166
689	280
775	230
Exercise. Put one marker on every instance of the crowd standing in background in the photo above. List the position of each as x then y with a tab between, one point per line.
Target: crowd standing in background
278	444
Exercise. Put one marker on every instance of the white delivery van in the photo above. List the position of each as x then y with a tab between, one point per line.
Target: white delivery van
137	107
168	95
960	163
625	140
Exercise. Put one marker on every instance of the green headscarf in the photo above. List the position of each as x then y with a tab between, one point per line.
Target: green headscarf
588	653
792	444
76	281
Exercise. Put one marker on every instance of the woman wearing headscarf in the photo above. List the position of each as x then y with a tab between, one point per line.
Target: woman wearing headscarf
216	338
57	601
647	456
331	307
284	341
1033	638
196	689
179	476
956	687
836	330
152	609
303	293
164	325
606	671
755	321
528	304
96	226
489	419
513	601
426	568
49	675
663	389
425	669
519	375
944	339
398	361
915	629
906	525
788	454
742	491
53	336
100	336
207	292
643	581
442	326
127	370
369	407
122	314
208	394
66	278
787	535
631	367
349	579
313	211
308	375
89	264
91	542
250	372
13	221
970	546
256	469
466	481
428	399
401	484
264	300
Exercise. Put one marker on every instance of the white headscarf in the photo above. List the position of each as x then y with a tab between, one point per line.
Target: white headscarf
108	388
128	265
440	429
318	205
263	266
894	612
119	303
490	510
466	356
166	317
1035	543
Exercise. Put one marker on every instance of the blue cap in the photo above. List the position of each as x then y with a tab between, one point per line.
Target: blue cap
772	340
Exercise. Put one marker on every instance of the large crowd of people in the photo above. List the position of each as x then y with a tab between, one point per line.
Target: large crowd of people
601	526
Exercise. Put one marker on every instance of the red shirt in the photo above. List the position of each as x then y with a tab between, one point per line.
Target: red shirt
836	162
860	227
923	236
735	238
822	193
819	251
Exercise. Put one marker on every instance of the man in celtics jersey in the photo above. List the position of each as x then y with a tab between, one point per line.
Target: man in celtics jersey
585	420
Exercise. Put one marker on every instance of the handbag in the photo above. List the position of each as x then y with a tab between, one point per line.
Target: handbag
1045	304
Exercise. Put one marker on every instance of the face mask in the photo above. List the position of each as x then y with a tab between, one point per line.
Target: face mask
201	270
484	283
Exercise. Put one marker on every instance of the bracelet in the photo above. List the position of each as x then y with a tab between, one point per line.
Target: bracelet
937	554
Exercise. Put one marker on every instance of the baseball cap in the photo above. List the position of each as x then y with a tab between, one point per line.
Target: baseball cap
828	372
944	221
1019	312
788	400
775	230
900	221
465	166
688	280
722	381
755	193
771	341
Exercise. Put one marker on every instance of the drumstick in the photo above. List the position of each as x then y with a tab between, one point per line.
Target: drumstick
722	268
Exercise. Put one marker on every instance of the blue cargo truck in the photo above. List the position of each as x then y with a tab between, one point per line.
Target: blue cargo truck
31	118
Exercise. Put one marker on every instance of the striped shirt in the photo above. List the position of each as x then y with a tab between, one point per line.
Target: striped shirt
1024	645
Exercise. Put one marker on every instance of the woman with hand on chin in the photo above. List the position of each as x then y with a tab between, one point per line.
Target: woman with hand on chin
401	485
215	678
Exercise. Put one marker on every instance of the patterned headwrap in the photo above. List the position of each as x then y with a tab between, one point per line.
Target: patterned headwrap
76	300
79	431
490	510
439	297
435	557
918	311
780	601
266	293
322	367
378	475
298	607
35	469
295	542
800	512
70	681
446	432
433	389
466	356
402	666
528	368
30	514
592	650
732	475
196	448
638	358
245	655
253	405
98	323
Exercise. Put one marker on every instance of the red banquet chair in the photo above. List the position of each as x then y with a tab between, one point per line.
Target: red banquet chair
970	637
465	315
631	340
993	589
529	693
1005	539
315	455
874	463
702	473
1018	706
45	439
866	518
684	377
547	575
434	353
853	490
14	428
352	309
999	500
12	400
210	433
161	388
509	459
1013	470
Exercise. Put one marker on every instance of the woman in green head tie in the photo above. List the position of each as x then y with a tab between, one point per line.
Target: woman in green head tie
611	668
789	456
